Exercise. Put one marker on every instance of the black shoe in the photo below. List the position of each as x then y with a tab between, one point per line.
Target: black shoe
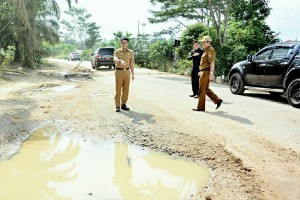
196	109
192	95
219	104
124	107
118	109
196	97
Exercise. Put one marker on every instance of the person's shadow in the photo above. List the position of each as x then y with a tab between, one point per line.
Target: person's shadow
232	117
137	117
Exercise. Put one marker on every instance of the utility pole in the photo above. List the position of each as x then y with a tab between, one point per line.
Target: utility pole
138	38
176	44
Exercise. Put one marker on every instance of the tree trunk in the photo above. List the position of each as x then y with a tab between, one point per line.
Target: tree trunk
27	53
217	20
225	31
18	50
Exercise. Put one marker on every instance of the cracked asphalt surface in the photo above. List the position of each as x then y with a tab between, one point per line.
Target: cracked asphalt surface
251	144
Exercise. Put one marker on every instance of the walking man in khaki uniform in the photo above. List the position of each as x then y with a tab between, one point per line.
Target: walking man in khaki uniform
207	67
124	59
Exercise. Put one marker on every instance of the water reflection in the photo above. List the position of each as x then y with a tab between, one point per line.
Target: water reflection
27	174
50	166
151	175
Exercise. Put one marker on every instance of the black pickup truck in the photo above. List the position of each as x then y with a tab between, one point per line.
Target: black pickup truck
275	68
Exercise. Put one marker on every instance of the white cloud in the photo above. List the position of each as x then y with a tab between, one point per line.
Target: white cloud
120	15
284	18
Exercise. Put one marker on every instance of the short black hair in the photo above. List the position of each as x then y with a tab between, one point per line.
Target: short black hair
125	38
196	41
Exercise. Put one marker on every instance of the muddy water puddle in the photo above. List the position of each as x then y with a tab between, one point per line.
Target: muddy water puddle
52	166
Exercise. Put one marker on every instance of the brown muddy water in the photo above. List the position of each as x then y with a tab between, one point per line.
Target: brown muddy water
52	166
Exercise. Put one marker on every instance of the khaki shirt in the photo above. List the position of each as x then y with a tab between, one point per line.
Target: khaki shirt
126	55
208	57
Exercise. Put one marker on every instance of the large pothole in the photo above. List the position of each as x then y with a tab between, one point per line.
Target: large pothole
54	166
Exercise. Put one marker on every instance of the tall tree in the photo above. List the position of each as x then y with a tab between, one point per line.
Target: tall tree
79	28
215	13
27	23
93	35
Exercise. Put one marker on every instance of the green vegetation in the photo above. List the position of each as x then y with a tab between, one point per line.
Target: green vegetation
30	31
237	27
25	25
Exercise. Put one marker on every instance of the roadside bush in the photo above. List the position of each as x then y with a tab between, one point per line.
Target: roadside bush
7	56
188	36
238	53
183	67
86	54
59	50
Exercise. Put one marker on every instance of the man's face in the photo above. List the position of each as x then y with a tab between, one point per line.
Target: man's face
124	44
196	45
205	44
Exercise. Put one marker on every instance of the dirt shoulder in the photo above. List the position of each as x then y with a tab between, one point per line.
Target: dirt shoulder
242	163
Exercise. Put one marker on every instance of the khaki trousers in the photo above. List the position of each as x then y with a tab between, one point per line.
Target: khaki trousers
122	86
204	90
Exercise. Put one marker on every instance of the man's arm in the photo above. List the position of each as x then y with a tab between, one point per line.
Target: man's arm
212	69
132	66
211	60
191	56
117	60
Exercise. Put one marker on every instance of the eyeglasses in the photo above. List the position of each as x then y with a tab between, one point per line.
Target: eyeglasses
204	42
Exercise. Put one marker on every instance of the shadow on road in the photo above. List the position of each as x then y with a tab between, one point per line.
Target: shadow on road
223	114
269	97
137	117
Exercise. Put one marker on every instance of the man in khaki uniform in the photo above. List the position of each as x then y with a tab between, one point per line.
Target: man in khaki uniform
124	59
207	67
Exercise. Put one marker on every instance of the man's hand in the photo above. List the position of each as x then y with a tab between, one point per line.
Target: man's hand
122	62
196	54
132	77
211	76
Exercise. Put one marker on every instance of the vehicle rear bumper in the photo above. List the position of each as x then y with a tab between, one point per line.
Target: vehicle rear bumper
105	63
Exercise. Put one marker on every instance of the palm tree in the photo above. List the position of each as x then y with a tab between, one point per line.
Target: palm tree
118	35
34	21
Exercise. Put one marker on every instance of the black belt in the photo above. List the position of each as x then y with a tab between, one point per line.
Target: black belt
122	68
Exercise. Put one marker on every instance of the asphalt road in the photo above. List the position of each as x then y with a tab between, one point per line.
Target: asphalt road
260	130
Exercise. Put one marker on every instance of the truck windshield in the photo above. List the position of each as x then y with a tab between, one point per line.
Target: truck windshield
106	52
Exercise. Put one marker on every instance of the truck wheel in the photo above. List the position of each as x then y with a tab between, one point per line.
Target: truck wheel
236	84
293	93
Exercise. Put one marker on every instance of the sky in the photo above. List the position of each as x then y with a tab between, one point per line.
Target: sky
120	15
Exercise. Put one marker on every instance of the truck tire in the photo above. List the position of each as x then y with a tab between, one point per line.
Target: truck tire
293	93
236	84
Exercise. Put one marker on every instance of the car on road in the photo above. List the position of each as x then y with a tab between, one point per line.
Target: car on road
74	56
275	69
103	57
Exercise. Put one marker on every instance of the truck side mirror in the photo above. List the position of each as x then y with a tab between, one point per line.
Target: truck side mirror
250	58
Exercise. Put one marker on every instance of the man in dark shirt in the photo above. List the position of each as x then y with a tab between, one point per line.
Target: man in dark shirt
195	55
